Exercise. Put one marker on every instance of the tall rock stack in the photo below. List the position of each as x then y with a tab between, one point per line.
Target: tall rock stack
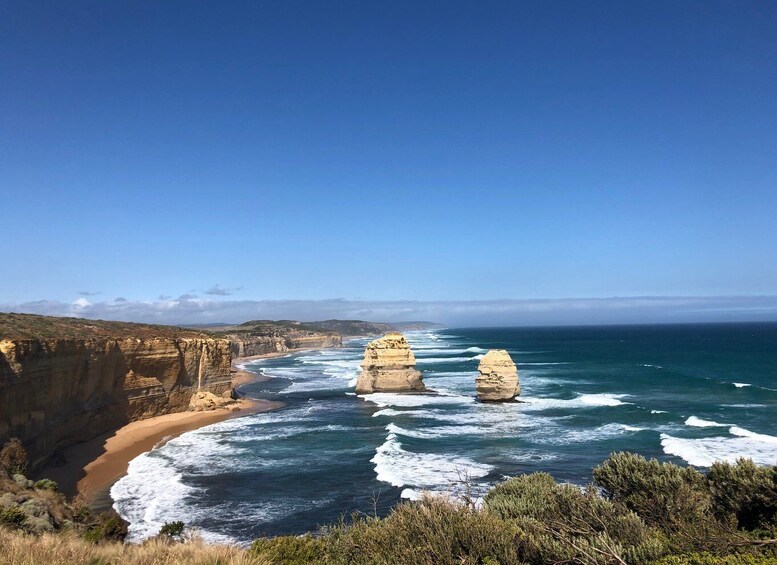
498	379
389	366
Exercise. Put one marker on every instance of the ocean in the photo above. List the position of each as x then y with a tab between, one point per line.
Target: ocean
689	394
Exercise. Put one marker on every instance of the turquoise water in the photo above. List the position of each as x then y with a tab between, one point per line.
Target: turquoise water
691	394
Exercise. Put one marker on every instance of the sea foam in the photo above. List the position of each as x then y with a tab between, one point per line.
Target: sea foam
699	423
703	452
398	467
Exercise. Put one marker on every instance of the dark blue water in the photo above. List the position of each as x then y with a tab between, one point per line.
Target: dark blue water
691	394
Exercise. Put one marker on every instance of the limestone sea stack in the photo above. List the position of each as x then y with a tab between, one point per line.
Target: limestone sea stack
389	366
498	379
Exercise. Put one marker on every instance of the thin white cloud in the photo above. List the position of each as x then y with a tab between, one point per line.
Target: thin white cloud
189	308
217	290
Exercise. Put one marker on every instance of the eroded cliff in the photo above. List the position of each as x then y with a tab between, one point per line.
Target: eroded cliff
78	379
261	337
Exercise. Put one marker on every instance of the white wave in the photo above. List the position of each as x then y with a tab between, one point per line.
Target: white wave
431	360
410	494
149	495
699	423
436	431
658	412
741	385
653	366
566	437
387	412
501	416
400	468
703	452
422	351
525	456
407	400
582	401
475	350
741	432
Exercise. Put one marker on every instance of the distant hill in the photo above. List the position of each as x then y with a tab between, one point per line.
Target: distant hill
33	326
345	328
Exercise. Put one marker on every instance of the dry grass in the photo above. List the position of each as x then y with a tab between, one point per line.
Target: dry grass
62	549
33	326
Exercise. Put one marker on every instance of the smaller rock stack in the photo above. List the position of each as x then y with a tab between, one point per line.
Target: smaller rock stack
389	366
498	379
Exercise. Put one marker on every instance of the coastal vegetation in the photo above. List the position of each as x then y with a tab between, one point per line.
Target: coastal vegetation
637	511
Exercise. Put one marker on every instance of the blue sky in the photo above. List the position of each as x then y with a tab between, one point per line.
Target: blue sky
431	152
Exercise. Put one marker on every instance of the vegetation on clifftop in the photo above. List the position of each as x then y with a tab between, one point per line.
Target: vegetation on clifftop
638	511
33	326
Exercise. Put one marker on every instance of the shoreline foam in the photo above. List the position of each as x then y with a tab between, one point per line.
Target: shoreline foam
91	468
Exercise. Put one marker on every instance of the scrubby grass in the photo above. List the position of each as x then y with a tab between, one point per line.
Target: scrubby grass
34	326
17	548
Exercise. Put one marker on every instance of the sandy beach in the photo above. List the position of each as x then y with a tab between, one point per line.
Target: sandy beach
141	436
92	467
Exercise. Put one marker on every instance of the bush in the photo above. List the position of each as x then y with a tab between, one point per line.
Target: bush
663	494
562	523
46	484
109	526
674	499
82	514
13	457
12	516
432	531
173	530
744	493
289	550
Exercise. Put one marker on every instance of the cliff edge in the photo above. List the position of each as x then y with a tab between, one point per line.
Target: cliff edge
67	380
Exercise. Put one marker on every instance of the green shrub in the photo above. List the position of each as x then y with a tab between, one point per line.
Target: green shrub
663	494
13	457
674	499
172	530
109	526
562	523
744	493
12	516
289	550
432	531
82	514
46	484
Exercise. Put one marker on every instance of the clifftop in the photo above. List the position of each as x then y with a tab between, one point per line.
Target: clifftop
33	326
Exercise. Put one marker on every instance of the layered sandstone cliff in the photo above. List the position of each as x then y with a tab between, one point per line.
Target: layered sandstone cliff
389	366
260	337
55	392
244	345
498	379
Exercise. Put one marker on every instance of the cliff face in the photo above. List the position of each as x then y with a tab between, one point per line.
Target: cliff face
389	366
246	345
498	379
56	392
